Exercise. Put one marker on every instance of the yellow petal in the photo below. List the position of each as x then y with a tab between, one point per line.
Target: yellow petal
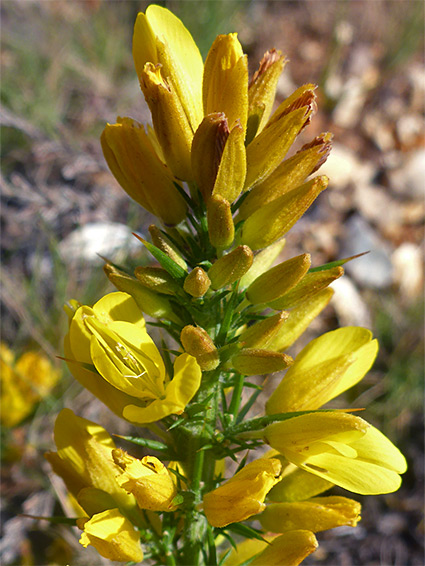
148	480
299	319
114	306
243	495
326	367
277	217
289	549
84	458
113	536
317	514
298	485
178	392
170	122
226	73
160	37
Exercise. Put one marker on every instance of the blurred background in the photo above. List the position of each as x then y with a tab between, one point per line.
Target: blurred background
67	69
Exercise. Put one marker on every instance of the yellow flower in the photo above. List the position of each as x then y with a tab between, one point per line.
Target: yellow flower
288	549
316	514
339	448
161	38
325	368
24	383
242	495
112	535
84	461
225	74
136	166
110	353
148	480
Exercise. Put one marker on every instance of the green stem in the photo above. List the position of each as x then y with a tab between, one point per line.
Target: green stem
237	395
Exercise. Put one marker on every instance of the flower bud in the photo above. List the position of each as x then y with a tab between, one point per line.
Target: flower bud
242	495
305	289
317	514
147	300
221	229
260	334
276	218
165	245
225	80
133	161
252	361
232	169
230	267
267	150
288	175
262	262
197	283
278	280
262	90
207	148
157	279
197	343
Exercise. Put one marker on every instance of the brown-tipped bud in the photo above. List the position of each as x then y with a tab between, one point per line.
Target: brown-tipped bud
157	279
278	280
267	150
207	149
309	286
273	220
221	229
230	267
197	343
261	93
260	334
258	362
165	245
288	175
148	301
197	283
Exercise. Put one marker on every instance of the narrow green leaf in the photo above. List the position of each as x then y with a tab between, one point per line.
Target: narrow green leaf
166	262
145	442
336	263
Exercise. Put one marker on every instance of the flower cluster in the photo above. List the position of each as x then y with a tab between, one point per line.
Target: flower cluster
214	170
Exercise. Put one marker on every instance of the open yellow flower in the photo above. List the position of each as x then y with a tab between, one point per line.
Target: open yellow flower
84	461
242	495
340	448
109	351
325	368
148	480
112	535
